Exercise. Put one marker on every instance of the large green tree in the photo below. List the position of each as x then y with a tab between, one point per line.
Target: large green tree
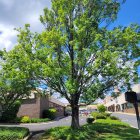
77	55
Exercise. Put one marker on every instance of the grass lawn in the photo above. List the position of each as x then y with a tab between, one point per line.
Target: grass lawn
13	133
100	130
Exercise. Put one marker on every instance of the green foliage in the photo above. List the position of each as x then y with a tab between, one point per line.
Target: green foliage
94	114
50	113
113	122
38	120
17	120
90	120
106	114
100	130
14	84
114	118
13	133
101	116
97	115
25	119
101	108
10	114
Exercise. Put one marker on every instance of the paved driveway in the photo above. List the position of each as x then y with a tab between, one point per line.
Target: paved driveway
130	119
43	126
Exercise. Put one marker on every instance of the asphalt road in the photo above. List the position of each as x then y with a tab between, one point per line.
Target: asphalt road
43	126
130	119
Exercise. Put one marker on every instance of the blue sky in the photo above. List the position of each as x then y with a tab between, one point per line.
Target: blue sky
129	13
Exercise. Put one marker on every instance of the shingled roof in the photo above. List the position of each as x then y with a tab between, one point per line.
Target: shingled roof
56	101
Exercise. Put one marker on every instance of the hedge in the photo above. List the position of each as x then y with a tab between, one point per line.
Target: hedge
13	133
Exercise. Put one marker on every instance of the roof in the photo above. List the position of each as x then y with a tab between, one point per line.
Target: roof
92	107
56	101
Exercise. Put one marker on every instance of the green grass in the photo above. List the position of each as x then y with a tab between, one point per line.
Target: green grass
13	133
100	130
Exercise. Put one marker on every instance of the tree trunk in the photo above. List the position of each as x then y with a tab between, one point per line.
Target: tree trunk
75	117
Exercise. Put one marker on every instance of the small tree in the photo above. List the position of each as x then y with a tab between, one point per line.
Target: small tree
101	108
14	86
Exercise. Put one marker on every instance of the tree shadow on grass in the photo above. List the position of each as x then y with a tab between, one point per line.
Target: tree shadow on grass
96	131
116	132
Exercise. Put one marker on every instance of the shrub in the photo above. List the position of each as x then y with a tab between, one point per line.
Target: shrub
97	115
37	120
50	113
106	114
17	120
10	114
114	118
25	119
94	114
90	120
101	108
100	116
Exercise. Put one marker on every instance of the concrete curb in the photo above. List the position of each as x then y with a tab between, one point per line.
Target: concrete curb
35	134
27	137
22	124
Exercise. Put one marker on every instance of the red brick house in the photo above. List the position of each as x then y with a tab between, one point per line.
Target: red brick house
33	107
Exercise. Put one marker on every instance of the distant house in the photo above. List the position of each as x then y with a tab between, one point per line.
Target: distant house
35	105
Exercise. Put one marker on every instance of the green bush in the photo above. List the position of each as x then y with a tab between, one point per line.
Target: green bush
10	114
17	120
106	114
13	133
37	120
101	108
114	118
97	115
101	116
50	113
90	120
25	119
94	114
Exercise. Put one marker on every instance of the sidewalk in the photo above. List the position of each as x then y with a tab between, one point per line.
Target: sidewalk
123	113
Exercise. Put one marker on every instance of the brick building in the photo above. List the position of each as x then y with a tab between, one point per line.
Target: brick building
119	104
34	106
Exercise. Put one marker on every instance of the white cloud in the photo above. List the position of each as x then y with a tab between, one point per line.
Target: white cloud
7	37
15	14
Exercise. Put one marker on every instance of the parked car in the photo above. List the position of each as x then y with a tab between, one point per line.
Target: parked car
84	112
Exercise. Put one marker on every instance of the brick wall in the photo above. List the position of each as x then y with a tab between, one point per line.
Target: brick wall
60	109
44	105
131	110
30	107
